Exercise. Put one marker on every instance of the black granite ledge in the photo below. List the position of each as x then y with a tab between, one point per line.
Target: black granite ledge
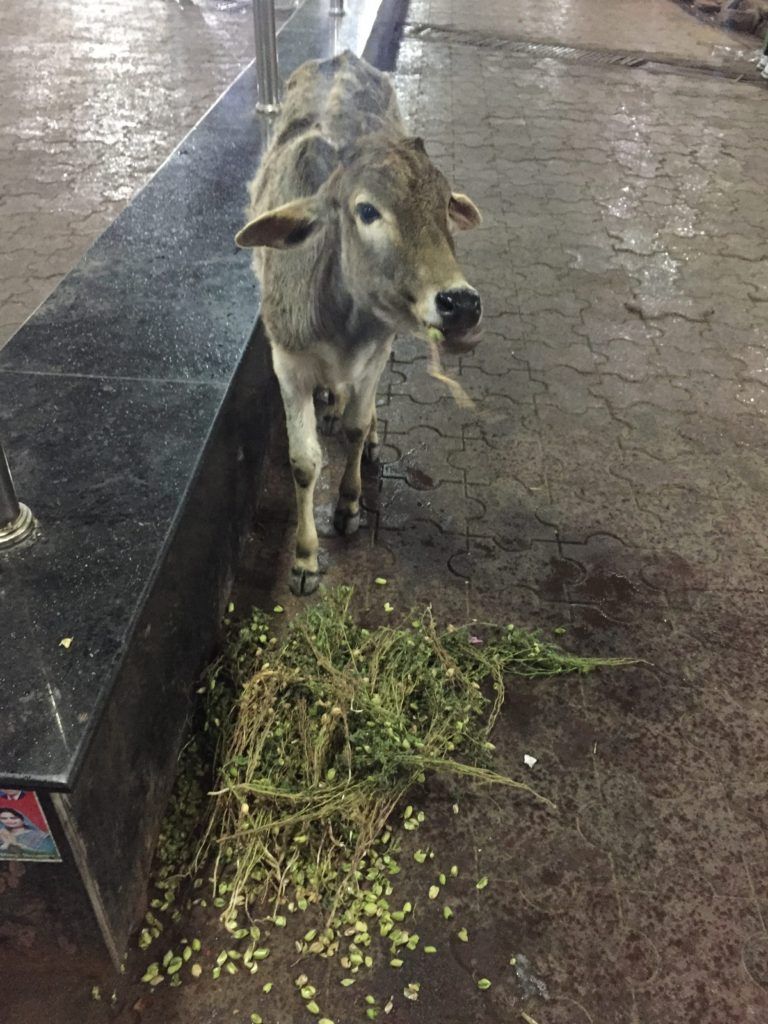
112	399
136	405
106	499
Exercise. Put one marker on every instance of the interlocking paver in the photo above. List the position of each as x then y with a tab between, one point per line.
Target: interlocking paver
424	458
611	480
625	500
95	97
403	500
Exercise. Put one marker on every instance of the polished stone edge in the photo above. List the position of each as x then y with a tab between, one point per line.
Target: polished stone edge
108	501
122	776
125	778
234	112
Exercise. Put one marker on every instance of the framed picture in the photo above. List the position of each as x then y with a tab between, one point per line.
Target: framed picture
24	831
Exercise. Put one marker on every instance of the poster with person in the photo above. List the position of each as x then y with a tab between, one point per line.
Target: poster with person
24	832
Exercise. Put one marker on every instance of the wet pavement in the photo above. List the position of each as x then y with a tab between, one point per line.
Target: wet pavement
94	98
658	26
612	481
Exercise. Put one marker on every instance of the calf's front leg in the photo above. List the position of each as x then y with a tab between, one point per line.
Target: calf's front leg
305	456
360	431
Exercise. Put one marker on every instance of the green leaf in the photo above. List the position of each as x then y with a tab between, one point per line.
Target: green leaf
151	972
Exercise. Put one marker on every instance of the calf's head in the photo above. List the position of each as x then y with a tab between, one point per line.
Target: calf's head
392	215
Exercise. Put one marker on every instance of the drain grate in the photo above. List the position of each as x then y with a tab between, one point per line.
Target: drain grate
556	51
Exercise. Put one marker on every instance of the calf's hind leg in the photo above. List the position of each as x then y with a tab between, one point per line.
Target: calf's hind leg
305	456
372	448
333	411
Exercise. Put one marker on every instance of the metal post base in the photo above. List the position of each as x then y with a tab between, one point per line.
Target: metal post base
18	530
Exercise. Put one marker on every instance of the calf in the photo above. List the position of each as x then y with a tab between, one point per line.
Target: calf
352	235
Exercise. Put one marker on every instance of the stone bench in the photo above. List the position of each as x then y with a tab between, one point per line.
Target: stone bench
135	415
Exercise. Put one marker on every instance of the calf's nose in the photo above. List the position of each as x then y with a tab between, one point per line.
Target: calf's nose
459	309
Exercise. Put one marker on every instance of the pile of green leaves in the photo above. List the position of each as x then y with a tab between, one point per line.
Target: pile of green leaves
306	739
331	728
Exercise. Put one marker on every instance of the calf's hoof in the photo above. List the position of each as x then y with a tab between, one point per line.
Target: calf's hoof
345	521
303	582
372	452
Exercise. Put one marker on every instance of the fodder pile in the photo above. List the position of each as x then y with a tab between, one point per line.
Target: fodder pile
333	726
307	743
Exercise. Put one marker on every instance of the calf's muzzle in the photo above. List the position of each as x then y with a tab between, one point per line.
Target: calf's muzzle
459	310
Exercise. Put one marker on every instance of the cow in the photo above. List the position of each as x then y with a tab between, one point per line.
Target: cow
351	227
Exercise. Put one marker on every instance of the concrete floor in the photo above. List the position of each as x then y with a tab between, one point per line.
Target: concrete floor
94	97
657	26
612	480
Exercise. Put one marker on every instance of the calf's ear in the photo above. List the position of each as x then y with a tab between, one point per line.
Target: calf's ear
462	212
283	227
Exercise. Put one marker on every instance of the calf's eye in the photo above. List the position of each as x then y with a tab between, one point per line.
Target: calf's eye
367	213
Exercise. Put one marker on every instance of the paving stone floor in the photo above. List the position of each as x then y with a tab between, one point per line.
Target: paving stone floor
94	97
612	480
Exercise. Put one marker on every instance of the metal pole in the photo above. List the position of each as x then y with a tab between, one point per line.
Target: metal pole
336	24
267	79
337	7
16	521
